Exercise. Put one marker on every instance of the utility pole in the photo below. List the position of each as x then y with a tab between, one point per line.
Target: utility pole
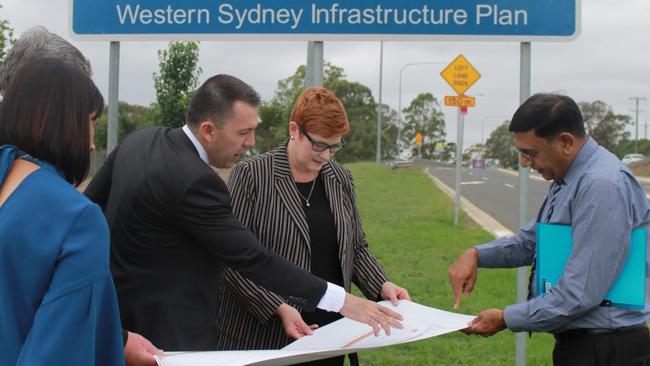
636	136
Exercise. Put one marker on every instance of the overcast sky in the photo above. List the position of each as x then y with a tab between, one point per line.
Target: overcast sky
610	61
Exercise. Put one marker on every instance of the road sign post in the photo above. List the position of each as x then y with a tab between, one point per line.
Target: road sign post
460	75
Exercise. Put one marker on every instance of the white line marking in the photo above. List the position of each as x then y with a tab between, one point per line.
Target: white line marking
508	185
475	182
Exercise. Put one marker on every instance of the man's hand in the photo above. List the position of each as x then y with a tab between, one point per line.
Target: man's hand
463	273
394	293
371	313
138	351
487	323
292	322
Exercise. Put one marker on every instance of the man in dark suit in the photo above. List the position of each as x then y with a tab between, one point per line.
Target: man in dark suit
173	230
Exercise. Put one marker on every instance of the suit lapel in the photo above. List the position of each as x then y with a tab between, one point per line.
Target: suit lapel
337	200
288	193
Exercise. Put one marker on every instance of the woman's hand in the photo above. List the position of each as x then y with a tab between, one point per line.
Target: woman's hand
292	322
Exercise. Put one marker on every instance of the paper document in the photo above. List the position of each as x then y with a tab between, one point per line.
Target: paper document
338	338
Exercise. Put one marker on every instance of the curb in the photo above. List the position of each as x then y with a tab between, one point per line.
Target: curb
484	220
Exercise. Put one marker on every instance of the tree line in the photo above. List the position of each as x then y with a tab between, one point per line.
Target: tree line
178	75
601	123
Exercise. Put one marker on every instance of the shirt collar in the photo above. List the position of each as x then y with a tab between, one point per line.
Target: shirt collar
581	159
203	154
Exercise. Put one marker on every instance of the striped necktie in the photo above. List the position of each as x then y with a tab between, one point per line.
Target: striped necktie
553	195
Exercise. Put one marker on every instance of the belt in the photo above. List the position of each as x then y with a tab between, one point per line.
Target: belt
573	334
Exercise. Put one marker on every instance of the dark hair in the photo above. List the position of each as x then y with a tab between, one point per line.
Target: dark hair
549	115
318	110
214	100
45	113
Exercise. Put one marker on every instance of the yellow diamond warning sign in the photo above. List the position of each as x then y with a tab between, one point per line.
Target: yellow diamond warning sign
460	74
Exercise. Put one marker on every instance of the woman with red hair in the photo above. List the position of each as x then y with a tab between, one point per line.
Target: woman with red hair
300	204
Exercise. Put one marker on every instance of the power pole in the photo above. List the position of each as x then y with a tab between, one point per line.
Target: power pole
636	136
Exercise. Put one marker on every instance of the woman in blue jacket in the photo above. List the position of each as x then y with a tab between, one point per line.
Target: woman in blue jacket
57	300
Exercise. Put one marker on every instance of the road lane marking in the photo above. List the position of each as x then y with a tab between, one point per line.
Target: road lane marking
508	185
474	182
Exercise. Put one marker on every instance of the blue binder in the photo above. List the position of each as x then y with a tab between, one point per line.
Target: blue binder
554	244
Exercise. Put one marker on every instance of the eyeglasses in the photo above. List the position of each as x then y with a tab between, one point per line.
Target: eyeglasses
530	154
320	146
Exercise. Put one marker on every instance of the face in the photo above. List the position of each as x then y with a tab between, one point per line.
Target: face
303	154
227	144
551	159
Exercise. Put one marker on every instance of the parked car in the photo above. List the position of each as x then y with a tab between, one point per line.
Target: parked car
632	158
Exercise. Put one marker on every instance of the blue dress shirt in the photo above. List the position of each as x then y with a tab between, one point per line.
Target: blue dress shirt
57	300
603	202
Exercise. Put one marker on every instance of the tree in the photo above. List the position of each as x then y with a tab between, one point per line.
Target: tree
176	82
130	117
389	126
6	37
423	115
362	114
627	147
501	145
607	128
448	152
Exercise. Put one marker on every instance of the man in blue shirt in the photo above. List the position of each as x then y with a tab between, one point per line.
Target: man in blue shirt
599	197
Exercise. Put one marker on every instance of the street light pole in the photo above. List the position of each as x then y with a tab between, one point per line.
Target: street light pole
636	136
399	99
483	121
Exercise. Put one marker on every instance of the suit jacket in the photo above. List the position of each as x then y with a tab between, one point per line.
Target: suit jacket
172	233
265	198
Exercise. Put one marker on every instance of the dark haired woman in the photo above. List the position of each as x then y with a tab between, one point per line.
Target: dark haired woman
57	300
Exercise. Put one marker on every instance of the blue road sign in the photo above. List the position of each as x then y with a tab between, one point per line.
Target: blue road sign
520	20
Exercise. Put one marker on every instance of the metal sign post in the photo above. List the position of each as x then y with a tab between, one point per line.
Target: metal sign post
460	75
113	97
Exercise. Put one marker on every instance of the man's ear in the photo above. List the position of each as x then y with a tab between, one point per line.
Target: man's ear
206	131
567	142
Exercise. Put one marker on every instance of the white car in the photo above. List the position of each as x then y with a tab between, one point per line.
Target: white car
632	158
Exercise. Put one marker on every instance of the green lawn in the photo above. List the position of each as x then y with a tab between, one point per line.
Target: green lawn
409	226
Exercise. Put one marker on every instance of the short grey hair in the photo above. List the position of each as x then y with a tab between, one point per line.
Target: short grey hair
36	43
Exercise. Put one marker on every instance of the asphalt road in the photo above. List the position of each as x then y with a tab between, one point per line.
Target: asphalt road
495	192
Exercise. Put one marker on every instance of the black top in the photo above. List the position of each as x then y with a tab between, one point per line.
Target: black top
325	261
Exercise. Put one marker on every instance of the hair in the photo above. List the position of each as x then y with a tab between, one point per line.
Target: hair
45	113
37	43
548	115
214	100
319	111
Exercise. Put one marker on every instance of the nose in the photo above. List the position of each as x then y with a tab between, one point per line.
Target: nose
326	154
524	161
250	140
92	147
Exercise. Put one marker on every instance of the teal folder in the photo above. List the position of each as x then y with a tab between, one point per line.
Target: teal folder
554	244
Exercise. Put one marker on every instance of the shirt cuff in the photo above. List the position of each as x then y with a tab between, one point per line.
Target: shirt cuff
333	299
516	317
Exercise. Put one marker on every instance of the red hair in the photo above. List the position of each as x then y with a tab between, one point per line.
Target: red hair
318	110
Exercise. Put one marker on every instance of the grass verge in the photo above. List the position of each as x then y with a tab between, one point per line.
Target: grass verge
409	226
